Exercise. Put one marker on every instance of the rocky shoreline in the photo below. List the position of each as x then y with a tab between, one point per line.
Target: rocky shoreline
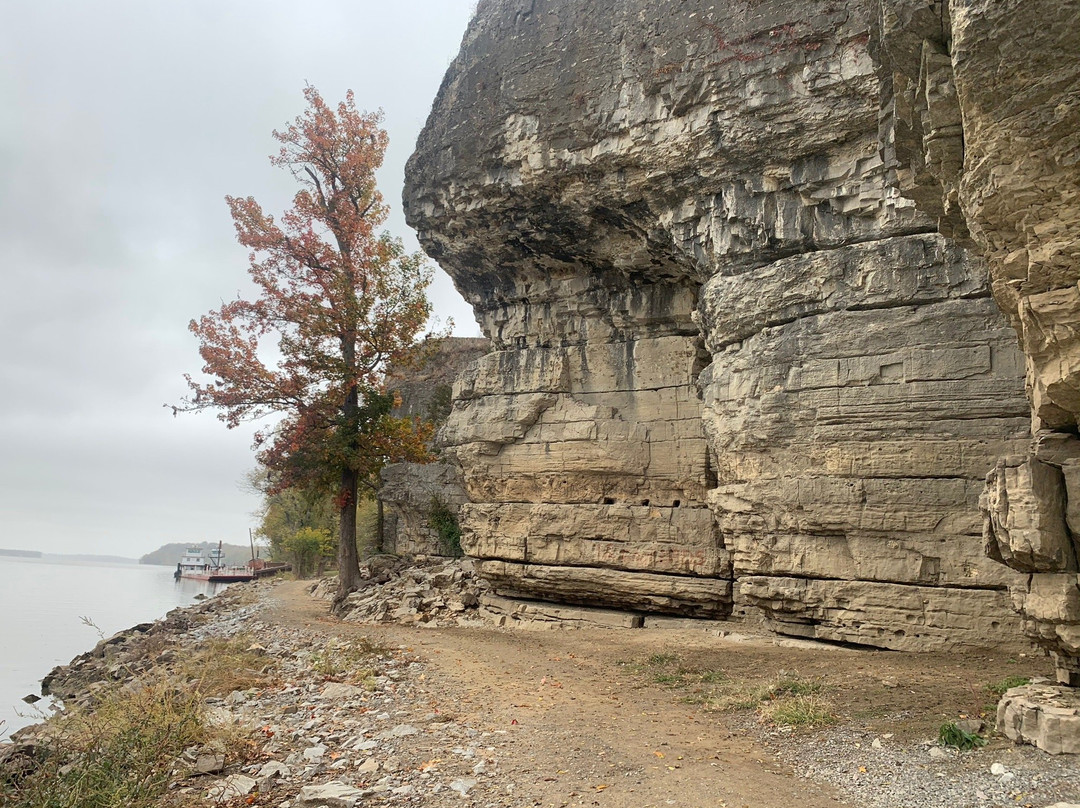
346	722
343	723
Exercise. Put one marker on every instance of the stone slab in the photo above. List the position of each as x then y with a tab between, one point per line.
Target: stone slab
1046	716
900	617
590	586
515	612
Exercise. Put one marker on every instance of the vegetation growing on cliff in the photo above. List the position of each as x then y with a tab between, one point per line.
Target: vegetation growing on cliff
444	521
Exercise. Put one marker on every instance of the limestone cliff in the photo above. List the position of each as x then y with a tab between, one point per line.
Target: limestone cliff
737	368
985	99
409	491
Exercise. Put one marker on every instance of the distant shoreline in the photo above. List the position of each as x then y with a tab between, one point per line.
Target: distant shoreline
77	558
21	553
165	556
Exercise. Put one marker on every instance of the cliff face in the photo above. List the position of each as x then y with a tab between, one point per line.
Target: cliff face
425	390
738	368
985	96
856	399
409	492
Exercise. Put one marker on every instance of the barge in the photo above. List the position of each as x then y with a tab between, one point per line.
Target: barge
210	566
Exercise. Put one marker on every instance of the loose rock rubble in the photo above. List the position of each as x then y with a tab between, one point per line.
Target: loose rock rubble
369	733
125	655
428	591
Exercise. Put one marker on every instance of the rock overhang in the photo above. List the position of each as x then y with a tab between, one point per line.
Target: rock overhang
614	184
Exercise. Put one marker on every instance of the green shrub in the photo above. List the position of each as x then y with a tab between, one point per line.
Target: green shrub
308	549
952	735
443	520
998	688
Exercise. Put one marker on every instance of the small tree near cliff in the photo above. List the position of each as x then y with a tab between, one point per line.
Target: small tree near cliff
341	300
307	549
284	512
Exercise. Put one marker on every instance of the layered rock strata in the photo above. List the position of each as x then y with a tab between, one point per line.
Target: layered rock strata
735	368
410	492
1043	715
582	449
855	399
982	105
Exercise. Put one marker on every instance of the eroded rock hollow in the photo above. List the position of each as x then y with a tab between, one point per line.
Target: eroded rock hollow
741	366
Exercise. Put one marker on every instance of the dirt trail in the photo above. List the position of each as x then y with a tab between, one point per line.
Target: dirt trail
583	732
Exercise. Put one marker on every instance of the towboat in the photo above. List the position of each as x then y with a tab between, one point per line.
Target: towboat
210	567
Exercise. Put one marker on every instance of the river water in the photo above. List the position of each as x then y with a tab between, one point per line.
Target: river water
42	606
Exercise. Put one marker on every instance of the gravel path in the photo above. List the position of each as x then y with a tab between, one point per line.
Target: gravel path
325	742
442	734
875	771
478	717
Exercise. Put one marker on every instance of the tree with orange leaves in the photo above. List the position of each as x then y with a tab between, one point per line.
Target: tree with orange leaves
342	300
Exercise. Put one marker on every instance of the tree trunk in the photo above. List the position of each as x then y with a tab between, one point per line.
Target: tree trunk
348	560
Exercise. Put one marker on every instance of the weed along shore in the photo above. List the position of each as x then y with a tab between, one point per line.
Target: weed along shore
258	696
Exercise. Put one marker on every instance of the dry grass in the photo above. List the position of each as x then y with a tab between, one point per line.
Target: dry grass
798	712
120	753
124	750
348	661
952	735
218	667
785	699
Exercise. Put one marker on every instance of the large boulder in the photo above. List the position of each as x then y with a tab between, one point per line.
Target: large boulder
1043	715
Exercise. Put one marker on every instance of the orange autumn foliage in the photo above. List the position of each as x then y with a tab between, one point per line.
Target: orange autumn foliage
339	300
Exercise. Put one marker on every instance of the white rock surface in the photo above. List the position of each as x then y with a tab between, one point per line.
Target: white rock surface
331	795
235	785
734	369
1046	716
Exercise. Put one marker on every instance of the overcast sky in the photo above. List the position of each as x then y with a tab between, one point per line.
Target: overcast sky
123	124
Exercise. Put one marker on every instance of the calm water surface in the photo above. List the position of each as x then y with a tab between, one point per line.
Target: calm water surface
42	603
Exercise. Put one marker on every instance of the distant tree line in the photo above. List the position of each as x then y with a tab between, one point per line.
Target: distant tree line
169	554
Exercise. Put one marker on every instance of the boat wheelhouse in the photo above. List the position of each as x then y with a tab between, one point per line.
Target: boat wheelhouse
210	566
